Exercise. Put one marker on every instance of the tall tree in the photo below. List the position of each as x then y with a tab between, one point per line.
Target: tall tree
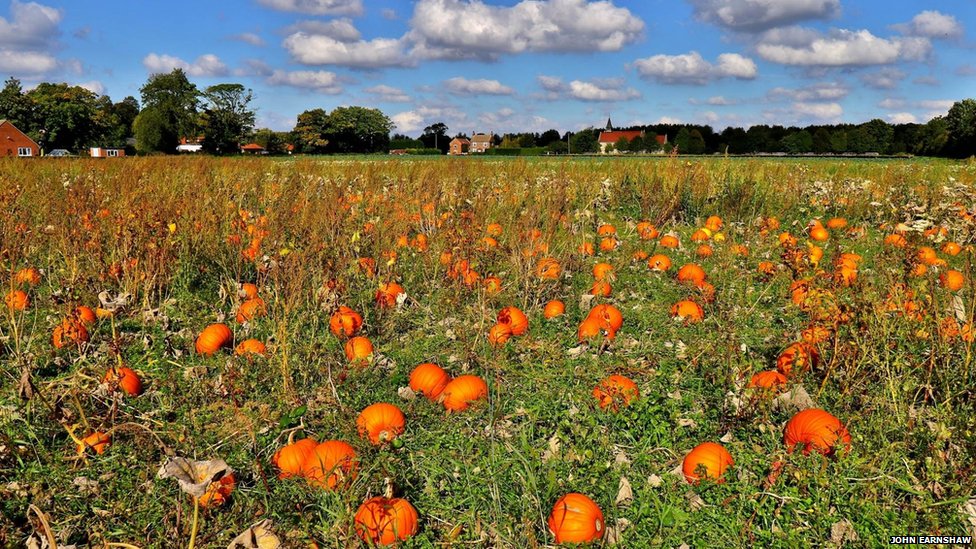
435	137
175	101
65	116
961	122
932	137
227	117
358	130
584	141
310	131
15	106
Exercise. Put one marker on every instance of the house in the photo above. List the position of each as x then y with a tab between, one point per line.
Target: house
14	142
106	152
459	146
481	142
253	148
398	152
190	145
609	137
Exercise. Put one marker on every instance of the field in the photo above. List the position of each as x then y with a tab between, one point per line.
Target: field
158	249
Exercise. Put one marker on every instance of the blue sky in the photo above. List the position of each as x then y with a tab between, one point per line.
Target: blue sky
510	65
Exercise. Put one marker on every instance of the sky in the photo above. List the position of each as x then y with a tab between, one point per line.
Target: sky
519	65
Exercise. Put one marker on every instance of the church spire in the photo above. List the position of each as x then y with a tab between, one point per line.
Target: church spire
609	125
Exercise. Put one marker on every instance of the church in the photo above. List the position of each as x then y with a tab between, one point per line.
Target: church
610	136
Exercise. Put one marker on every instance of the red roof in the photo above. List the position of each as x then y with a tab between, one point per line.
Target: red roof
252	147
614	136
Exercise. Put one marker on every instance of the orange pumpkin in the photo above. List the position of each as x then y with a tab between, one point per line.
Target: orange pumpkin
29	276
494	229
669	241
588	329
704	251
499	334
659	262
819	234
290	458
249	290
515	319
380	423
69	331
385	521
608	244
251	347
799	356
124	378
895	240
608	317
700	235
951	248
606	230
837	223
615	392
358	350
212	338
17	300
586	248
251	309
772	381
688	310
601	288
330	465
647	231
85	315
708	460
429	379
576	518
548	269
493	285
815	429
713	223
462	391
387	294
218	491
345	322
603	271
97	441
691	274
553	309
952	280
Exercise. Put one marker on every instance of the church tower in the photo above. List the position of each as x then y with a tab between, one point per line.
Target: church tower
609	125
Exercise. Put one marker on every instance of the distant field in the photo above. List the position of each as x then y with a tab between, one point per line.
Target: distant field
869	320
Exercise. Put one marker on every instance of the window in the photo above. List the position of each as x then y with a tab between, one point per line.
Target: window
112	152
25	151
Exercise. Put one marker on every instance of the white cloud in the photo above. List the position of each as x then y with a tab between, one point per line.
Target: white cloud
823	91
691	68
891	103
205	65
26	62
757	15
839	48
462	86
902	118
456	29
388	94
93	86
321	81
942	105
818	110
884	79
611	89
719	100
408	121
668	120
248	38
709	116
31	25
340	29
933	24
317	49
317	7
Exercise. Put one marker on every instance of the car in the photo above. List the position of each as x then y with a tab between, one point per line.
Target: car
59	153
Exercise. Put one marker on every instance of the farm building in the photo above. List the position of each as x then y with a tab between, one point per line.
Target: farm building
106	152
252	148
480	142
609	137
459	146
14	142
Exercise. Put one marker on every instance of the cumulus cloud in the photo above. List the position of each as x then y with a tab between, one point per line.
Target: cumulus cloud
759	15
839	48
316	7
93	86
321	81
462	86
818	110
823	91
205	65
932	24
31	25
902	118
691	68
456	29
884	79
340	29
388	94
26	62
422	116
319	49
914	111
248	38
408	121
612	89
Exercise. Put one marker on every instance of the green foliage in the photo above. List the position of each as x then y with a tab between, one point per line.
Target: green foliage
309	132
584	141
227	118
175	101
272	141
67	116
961	124
799	142
358	130
153	132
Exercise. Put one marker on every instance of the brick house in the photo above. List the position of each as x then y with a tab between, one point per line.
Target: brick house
480	142
14	142
459	146
609	137
106	152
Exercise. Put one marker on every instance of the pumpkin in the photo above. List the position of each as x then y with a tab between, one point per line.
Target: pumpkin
387	294
367	266
818	233
659	262
608	244
588	329
124	378
17	300
766	268
926	255
951	248
330	465
601	288
345	322
615	392
740	250
799	356
713	223
952	280
548	269
895	240
669	241
212	338
429	379
688	310
385	521
251	347
700	235
603	271
846	277
608	317
290	458
248	290
815	429
771	380
462	391
29	276
97	441
837	223
704	251
708	460
358	350
639	255
218	491
515	319
606	230
380	423
647	231
85	315
691	274
553	309
493	229
250	309
586	248
493	285
499	334
815	334
787	240
69	331
576	518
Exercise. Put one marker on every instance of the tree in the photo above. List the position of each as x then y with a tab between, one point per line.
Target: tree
961	124
821	141
931	138
584	141
65	117
358	130
227	117
557	147
175	100
547	137
153	132
272	141
696	142
622	144
310	131
798	142
15	106
435	137
400	141
636	145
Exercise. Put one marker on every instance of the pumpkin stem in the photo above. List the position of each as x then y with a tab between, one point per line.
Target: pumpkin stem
387	487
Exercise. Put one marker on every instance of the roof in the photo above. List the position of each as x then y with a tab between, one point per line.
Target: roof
461	140
252	147
614	136
5	121
481	138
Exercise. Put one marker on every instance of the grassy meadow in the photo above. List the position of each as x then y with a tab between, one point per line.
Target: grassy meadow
158	249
